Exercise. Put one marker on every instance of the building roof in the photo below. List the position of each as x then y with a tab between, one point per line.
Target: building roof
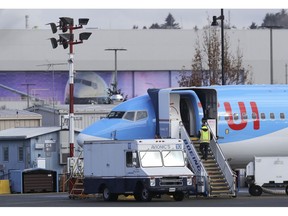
78	108
18	114
26	133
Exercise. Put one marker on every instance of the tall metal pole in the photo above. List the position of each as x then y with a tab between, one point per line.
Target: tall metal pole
271	49
71	95
286	73
271	56
222	47
115	58
115	78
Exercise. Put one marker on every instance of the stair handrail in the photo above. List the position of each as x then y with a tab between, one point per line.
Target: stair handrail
194	159
223	163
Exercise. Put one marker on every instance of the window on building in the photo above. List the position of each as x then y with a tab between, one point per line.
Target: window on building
5	153
20	153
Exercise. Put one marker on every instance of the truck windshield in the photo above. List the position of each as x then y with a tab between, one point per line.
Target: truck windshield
157	158
173	158
150	158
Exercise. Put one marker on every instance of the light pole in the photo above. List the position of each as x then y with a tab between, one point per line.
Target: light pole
215	23
66	40
116	96
271	50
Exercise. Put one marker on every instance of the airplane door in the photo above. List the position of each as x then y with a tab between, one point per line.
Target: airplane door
175	117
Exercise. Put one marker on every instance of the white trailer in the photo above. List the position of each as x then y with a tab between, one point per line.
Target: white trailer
143	168
267	172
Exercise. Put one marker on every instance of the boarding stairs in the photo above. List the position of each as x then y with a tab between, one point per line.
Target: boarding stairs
76	179
77	190
214	177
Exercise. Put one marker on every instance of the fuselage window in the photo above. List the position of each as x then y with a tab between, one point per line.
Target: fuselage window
282	115
254	115
272	116
244	115
141	115
262	115
129	116
226	117
236	116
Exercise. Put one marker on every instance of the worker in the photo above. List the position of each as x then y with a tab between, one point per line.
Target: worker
205	137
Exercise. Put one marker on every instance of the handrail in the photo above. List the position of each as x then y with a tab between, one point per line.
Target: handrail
223	164
193	158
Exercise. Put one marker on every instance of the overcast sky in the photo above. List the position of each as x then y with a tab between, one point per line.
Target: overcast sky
124	14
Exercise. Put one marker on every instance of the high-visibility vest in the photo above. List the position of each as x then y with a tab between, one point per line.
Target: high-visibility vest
204	136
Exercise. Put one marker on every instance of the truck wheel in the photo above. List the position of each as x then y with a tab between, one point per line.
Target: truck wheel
137	197
286	189
255	190
145	195
107	196
178	196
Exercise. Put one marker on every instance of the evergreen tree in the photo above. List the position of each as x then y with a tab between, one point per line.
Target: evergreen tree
170	23
278	19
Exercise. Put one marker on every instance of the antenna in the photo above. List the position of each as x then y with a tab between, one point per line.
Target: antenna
51	65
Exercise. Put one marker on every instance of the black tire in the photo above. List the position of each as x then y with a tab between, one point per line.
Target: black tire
144	195
137	197
255	190
286	189
178	196
107	196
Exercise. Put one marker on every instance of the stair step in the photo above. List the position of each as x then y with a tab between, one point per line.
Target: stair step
217	180
218	184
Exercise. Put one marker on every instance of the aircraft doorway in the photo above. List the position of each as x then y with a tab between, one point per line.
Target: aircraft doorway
188	116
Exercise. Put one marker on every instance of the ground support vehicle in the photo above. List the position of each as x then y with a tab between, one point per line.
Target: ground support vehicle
144	168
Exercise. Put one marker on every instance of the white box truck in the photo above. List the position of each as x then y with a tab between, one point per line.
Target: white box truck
267	172
143	168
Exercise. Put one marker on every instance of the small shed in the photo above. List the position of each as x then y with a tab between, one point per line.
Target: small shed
35	180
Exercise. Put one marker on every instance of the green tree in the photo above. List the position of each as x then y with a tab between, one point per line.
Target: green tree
253	26
206	63
170	23
277	19
155	26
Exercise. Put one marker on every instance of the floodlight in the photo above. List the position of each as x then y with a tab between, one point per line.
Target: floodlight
67	37
83	21
54	42
214	21
62	26
53	27
84	35
67	20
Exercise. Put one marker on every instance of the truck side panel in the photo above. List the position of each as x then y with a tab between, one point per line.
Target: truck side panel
102	160
271	169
